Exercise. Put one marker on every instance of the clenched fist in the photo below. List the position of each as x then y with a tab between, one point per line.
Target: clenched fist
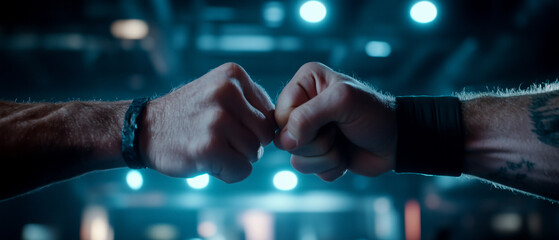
331	122
215	124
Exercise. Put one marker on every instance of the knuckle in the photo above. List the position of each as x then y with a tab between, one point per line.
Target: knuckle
233	70
329	177
312	66
241	172
226	89
315	149
332	175
230	66
227	180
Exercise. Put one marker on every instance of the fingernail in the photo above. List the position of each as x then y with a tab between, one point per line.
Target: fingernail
260	152
288	140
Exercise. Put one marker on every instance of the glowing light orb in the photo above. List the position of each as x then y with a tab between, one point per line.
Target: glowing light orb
423	12
130	29
199	182
378	49
285	180
134	179
313	11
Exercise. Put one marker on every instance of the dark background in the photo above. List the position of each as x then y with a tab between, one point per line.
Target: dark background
64	50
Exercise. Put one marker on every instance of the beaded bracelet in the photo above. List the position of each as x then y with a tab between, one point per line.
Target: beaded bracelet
132	121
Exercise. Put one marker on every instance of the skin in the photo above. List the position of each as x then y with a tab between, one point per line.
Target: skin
331	123
503	144
327	120
215	124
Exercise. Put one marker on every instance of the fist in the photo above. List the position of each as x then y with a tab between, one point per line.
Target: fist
215	124
331	122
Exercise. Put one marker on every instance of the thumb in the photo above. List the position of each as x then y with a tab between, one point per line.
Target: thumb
307	119
311	79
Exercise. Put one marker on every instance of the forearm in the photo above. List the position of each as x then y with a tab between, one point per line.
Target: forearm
42	143
504	141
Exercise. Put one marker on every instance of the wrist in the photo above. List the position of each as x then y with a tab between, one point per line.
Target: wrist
430	135
392	136
101	129
131	130
147	130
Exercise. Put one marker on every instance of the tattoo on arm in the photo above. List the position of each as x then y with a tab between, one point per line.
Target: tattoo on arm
544	113
513	171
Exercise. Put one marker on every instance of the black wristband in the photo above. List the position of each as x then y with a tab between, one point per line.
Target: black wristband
129	148
430	135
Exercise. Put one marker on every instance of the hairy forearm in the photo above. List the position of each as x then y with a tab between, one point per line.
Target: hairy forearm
42	143
513	141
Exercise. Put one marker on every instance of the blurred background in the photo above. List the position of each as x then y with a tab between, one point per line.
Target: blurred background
120	49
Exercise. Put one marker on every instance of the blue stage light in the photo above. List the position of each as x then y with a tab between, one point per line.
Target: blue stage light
423	12
134	179
378	49
274	14
199	182
285	180
313	11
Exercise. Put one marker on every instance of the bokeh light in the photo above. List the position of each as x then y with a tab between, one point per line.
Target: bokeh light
423	12
313	11
285	180
199	182
132	29
274	14
207	229
134	179
378	49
